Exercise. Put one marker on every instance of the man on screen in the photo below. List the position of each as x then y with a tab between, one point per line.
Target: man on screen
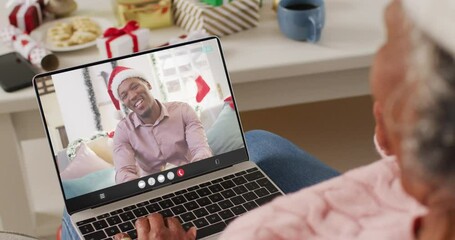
154	135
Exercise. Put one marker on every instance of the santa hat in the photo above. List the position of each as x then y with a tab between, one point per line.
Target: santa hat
434	18
118	75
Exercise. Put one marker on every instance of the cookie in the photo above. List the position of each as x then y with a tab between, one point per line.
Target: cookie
78	31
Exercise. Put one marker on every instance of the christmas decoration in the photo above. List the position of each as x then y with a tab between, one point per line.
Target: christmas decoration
25	15
148	13
123	41
229	18
216	3
161	87
92	99
202	89
29	48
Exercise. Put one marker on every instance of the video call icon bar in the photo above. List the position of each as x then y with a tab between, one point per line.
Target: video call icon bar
161	178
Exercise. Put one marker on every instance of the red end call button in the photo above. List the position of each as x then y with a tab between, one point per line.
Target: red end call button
180	172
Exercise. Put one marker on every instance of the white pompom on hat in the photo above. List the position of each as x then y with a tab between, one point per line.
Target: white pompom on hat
118	75
434	18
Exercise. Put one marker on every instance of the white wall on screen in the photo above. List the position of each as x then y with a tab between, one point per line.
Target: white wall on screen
74	104
54	119
217	71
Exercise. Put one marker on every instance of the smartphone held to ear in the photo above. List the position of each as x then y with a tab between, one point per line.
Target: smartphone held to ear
15	72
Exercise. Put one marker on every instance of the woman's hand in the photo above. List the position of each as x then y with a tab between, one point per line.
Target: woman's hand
156	228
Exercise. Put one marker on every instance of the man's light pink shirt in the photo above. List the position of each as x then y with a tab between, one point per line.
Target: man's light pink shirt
177	137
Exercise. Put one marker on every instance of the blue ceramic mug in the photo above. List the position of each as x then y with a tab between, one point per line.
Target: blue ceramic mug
301	20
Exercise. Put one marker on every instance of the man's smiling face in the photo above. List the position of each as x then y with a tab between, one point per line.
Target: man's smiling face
134	93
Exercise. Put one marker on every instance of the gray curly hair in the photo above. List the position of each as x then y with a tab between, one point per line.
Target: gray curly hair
431	140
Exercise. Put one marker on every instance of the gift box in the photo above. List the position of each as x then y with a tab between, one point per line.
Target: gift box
216	3
148	13
236	16
123	41
26	16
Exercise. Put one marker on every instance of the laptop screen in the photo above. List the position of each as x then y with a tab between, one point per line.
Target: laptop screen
128	125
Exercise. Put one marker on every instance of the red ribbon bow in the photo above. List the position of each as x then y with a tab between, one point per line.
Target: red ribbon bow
113	33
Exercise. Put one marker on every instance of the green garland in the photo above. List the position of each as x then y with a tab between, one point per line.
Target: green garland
157	75
92	99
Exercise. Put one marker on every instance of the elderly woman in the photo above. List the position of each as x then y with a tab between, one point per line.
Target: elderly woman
409	194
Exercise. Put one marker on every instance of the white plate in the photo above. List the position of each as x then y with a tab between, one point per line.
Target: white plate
40	34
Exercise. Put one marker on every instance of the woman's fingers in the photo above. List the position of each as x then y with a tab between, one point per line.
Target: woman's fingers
156	227
191	234
122	236
156	221
142	226
175	227
177	230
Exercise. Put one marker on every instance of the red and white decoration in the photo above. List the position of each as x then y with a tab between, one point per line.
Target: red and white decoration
7	35
28	48
122	41
26	14
202	89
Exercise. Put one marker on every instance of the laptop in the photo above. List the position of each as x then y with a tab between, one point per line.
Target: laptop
79	119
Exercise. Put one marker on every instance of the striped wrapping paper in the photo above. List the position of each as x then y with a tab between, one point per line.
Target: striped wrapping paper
229	18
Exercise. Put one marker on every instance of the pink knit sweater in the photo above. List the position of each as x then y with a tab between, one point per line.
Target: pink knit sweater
365	203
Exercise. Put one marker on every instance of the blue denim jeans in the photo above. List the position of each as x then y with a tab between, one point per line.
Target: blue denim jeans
287	165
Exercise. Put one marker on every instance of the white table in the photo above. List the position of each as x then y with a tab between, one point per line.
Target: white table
15	236
264	58
267	70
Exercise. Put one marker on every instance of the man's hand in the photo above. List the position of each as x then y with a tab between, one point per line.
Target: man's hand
156	228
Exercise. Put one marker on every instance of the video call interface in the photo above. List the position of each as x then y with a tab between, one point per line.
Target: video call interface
96	146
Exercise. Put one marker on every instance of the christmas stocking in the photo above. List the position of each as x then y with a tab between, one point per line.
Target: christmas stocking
202	89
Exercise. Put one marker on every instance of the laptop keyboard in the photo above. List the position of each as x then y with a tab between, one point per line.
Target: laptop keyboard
209	206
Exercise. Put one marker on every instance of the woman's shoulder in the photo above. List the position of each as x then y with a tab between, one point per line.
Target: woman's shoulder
338	207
